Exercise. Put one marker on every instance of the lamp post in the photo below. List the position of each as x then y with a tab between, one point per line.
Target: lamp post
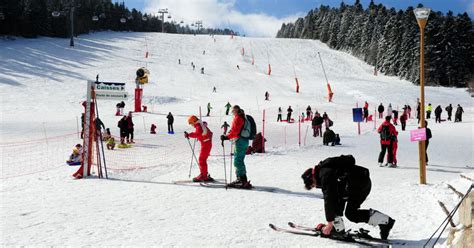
421	15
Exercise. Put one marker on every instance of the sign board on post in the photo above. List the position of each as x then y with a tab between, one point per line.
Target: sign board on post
111	95
357	115
418	135
110	91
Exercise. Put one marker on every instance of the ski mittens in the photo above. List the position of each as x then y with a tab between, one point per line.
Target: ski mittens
186	135
320	226
223	137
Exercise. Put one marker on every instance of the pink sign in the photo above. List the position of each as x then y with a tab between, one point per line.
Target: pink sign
418	135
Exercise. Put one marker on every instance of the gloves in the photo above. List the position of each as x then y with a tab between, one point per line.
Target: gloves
223	137
186	135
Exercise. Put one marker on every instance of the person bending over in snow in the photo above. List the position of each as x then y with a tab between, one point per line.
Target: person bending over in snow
204	135
328	137
345	185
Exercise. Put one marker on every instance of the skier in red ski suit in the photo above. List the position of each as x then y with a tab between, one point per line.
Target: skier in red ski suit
204	135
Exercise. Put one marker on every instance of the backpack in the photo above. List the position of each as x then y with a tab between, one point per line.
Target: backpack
385	133
249	130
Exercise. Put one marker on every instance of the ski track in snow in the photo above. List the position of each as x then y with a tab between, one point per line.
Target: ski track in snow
43	81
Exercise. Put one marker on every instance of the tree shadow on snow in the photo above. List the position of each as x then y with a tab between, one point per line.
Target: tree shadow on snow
265	189
51	59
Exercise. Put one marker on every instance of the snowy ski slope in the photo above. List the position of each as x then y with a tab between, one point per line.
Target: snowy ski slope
42	82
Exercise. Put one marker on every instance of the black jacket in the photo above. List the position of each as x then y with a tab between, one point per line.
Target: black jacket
341	180
328	136
317	120
438	110
170	118
381	108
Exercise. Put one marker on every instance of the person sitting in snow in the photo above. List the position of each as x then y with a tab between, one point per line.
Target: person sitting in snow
76	157
345	186
110	143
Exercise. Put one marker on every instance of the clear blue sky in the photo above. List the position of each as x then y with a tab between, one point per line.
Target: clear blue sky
281	8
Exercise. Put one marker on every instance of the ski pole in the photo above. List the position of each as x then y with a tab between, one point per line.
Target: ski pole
192	157
225	169
231	156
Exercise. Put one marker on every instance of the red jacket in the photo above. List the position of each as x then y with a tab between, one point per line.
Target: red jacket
198	134
391	129
237	125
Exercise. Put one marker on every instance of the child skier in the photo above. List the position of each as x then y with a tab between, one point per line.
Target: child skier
204	135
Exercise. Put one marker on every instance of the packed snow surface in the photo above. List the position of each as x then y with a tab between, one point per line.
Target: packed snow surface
43	82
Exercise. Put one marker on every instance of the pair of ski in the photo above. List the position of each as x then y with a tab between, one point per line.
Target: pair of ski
211	184
360	237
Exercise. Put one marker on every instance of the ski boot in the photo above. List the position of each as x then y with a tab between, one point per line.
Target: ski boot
241	183
384	222
201	178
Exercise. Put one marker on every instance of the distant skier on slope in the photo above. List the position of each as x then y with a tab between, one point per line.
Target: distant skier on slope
267	96
449	110
386	131
309	113
227	108
427	141
204	135
438	111
170	118
380	109
458	114
317	124
366	110
389	110
429	109
279	114
288	116
225	126
208	109
345	185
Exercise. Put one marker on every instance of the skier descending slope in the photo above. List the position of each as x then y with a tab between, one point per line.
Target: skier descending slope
239	124
345	185
204	135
